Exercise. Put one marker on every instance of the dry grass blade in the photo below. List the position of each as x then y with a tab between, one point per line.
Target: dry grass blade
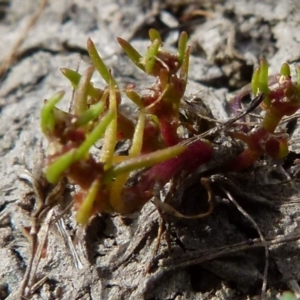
14	52
60	224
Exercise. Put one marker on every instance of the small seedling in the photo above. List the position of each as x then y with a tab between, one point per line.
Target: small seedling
106	182
110	182
279	100
164	146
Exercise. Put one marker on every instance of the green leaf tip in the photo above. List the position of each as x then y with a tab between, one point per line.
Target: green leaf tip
81	96
288	296
151	56
74	77
93	112
97	61
154	35
263	76
47	115
182	45
132	53
86	208
285	70
255	81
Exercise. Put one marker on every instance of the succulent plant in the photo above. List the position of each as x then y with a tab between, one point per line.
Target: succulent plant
280	98
109	182
156	145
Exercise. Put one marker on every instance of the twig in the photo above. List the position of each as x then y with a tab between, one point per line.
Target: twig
253	104
42	241
44	206
201	256
166	208
265	275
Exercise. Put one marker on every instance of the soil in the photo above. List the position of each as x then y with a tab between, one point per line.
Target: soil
218	257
